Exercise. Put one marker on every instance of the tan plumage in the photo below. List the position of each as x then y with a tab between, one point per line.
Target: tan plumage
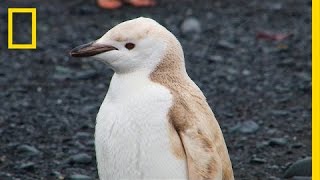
191	121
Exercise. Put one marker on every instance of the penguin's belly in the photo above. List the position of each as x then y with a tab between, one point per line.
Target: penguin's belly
132	138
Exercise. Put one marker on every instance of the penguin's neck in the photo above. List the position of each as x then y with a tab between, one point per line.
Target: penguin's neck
123	85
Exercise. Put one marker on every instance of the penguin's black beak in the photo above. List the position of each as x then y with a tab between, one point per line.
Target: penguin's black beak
91	49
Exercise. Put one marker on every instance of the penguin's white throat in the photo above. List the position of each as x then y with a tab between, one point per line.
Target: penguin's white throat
123	85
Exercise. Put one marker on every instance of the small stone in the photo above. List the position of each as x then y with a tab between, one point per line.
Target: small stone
3	159
89	108
63	70
210	15
57	174
29	166
280	112
62	73
273	178
286	62
216	58
246	72
191	25
278	141
82	135
90	142
274	167
83	75
262	144
81	158
225	44
59	101
301	178
301	167
275	6
245	127
28	150
305	76
79	177
256	160
297	145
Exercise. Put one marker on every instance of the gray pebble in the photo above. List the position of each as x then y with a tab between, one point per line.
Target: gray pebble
301	167
278	141
79	177
29	166
191	25
81	158
262	144
225	44
216	58
305	76
90	108
245	127
275	6
28	150
83	75
57	174
297	145
301	178
256	160
82	135
280	112
62	73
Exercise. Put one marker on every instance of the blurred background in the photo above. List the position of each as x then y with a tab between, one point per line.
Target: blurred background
251	58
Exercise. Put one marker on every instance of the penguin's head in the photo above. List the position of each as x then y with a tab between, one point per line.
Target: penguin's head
134	45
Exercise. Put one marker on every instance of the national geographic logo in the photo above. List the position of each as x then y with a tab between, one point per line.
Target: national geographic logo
22	11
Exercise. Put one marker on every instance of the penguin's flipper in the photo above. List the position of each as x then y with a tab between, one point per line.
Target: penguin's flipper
200	140
202	159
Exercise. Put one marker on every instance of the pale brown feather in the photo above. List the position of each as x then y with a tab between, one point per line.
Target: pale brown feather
191	121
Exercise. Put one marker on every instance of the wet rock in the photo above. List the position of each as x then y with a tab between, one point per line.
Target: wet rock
301	167
81	158
301	178
57	175
83	75
6	176
262	144
275	6
256	160
29	166
82	135
273	178
90	142
79	177
28	150
305	76
90	108
297	145
246	72
245	127
226	44
280	112
216	58
278	141
191	25
62	73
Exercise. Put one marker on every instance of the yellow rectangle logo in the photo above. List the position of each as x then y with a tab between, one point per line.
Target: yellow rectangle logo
33	44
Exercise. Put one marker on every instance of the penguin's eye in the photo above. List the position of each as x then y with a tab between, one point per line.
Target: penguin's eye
130	46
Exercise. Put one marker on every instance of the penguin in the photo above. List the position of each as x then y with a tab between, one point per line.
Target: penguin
154	122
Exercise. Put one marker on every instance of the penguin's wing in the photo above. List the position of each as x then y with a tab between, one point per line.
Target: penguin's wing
200	138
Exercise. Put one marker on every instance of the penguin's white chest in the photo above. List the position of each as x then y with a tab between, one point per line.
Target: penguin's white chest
132	138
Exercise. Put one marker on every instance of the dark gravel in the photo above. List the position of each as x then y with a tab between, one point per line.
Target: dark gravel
49	101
